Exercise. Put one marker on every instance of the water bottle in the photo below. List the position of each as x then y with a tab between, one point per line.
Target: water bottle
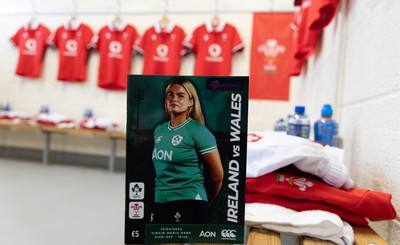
44	109
280	125
325	129
88	113
7	107
299	123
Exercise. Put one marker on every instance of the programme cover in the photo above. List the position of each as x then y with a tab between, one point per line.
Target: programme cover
185	159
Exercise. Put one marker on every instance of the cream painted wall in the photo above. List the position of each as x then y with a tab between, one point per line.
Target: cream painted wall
359	60
27	95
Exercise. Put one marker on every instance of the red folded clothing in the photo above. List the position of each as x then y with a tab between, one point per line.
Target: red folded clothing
373	205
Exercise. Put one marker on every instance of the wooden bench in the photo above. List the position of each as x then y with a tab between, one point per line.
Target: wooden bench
48	131
257	236
362	236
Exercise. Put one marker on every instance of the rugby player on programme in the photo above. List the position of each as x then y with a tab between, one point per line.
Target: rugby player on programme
186	160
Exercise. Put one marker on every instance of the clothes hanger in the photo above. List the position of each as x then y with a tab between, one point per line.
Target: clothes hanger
72	22
32	21
164	20
117	20
215	20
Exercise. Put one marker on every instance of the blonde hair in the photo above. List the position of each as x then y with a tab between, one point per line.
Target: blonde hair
195	110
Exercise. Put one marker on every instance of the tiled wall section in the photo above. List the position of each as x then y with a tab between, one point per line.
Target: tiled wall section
369	95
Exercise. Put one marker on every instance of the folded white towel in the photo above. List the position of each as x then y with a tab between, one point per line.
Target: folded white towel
314	223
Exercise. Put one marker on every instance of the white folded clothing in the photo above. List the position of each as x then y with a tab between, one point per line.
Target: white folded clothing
97	123
314	223
52	118
269	151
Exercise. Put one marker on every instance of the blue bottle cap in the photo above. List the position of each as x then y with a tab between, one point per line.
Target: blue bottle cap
326	110
299	109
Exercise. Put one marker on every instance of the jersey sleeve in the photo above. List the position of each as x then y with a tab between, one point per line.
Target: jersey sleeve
95	42
135	37
53	38
15	38
184	50
237	43
204	140
89	34
140	44
322	12
190	41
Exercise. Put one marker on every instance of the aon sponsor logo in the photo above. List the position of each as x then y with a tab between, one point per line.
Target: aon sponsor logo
208	234
228	234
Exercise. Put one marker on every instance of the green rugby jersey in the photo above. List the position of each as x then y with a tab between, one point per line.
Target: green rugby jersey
179	171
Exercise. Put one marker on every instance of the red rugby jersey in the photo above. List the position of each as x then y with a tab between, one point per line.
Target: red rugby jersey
162	48
31	40
73	43
115	46
371	204
213	47
312	17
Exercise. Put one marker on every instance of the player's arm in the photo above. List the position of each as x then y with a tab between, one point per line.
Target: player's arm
214	174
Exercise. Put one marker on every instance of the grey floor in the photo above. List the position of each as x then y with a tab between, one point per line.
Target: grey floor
60	204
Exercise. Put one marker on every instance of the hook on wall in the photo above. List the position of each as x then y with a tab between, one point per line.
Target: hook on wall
119	5
74	8
216	7
166	6
34	9
216	19
271	5
117	20
164	21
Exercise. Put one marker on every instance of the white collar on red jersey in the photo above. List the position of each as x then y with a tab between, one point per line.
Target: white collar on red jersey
219	28
33	24
119	26
72	24
167	28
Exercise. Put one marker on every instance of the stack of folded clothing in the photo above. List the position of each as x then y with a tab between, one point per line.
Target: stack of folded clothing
302	176
54	119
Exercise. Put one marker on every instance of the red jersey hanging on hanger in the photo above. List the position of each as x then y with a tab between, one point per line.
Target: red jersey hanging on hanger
73	43
31	40
114	43
162	48
309	20
214	46
271	52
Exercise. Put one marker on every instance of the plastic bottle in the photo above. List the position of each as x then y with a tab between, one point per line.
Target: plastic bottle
280	125
299	123
325	128
44	109
7	107
88	113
